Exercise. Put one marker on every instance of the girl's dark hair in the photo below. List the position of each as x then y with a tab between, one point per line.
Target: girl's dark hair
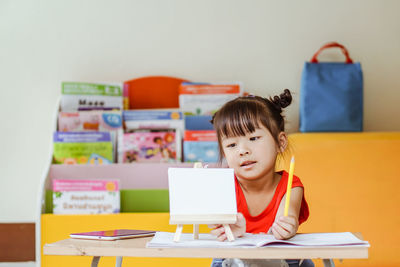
245	114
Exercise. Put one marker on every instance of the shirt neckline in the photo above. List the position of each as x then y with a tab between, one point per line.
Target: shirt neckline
270	204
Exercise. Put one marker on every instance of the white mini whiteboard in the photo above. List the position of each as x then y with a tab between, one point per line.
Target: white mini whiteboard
201	193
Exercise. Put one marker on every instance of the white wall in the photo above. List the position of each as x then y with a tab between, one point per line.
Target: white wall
261	43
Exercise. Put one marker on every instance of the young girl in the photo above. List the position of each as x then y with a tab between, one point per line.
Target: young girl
251	134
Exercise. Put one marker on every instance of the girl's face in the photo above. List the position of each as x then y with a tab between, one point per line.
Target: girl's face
251	156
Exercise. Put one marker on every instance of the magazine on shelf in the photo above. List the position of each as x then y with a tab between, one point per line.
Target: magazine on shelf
93	120
90	96
153	119
200	146
151	146
198	122
72	196
95	148
90	120
165	239
206	99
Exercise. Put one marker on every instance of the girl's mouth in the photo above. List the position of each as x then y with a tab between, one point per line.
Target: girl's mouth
247	164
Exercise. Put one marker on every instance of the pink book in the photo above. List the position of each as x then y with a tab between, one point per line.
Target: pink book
151	147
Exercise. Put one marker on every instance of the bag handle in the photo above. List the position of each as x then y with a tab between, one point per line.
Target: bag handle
331	45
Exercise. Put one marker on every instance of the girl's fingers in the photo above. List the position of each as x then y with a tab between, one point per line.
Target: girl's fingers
222	237
238	229
218	231
240	219
276	234
286	226
288	219
282	232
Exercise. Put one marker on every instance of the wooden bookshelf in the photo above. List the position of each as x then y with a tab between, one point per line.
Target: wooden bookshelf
144	92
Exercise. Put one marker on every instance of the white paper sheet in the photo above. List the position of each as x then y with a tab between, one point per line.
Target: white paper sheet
165	239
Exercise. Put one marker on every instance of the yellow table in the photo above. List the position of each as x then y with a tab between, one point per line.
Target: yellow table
137	248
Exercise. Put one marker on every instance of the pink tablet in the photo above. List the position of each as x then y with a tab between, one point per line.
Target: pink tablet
113	234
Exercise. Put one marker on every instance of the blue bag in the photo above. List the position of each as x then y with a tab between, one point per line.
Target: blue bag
331	95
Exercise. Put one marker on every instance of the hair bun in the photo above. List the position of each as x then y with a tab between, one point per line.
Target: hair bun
283	100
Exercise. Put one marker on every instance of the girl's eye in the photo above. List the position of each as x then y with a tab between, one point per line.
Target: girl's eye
254	138
231	145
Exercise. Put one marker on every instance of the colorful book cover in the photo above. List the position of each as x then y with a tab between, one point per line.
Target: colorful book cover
125	93
86	196
198	122
206	99
200	146
149	146
88	96
93	120
93	148
206	135
153	119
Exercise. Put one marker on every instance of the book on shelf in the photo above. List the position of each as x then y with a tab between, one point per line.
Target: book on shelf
166	240
95	148
90	120
125	96
200	146
206	99
88	96
72	196
93	120
151	146
198	122
153	119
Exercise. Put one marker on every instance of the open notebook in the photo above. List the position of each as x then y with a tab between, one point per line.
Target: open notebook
165	239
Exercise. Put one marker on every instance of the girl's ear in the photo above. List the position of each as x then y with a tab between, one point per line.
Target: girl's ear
283	141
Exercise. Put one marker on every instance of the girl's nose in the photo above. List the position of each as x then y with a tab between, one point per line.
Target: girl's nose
243	150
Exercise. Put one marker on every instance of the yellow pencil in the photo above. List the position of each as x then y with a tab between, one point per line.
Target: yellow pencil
289	186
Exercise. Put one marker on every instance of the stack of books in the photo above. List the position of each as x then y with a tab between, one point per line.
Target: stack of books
89	124
198	102
152	135
200	146
99	196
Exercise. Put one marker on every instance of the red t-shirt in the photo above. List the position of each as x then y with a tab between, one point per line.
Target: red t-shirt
263	221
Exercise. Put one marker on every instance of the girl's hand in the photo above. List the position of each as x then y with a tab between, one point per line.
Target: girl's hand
238	229
285	227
